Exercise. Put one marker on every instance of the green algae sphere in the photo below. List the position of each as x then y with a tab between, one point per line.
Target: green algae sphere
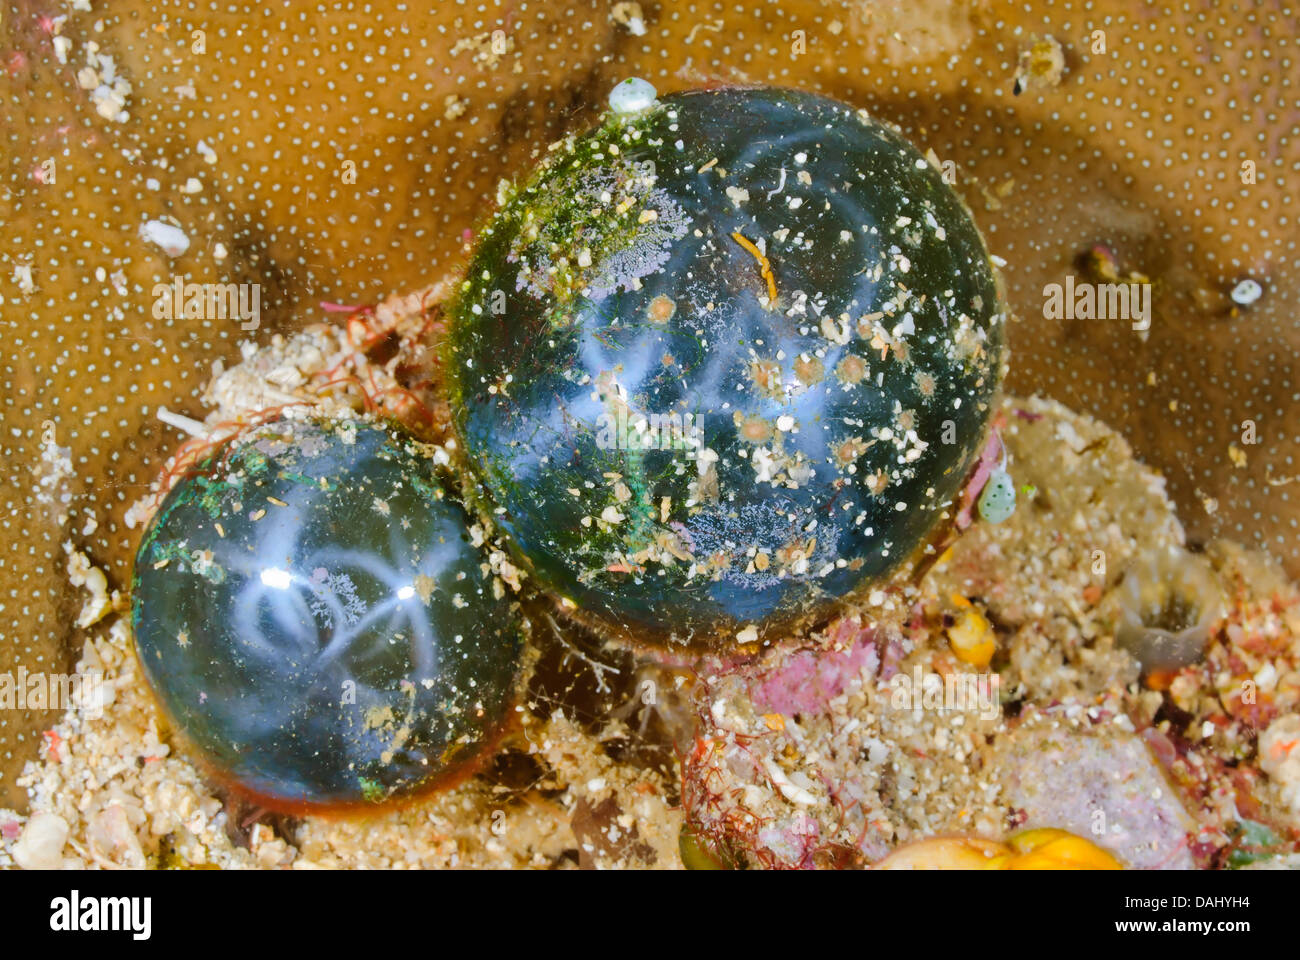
723	360
314	615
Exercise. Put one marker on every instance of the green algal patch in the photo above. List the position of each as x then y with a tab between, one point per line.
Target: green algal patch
425	489
166	552
372	790
319	483
590	222
213	494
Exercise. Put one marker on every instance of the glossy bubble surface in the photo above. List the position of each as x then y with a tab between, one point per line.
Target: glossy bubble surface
724	360
310	610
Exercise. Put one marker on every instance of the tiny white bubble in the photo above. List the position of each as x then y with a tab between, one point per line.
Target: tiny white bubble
1247	292
632	96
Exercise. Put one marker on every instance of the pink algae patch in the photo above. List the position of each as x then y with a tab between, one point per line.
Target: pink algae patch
808	679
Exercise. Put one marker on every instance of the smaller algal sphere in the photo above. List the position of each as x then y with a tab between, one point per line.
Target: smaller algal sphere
311	610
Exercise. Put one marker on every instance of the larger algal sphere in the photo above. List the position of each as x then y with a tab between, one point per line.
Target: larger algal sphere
312	613
723	360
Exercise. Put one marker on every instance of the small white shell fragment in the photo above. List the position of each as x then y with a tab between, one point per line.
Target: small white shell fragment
1247	292
181	422
81	573
791	791
632	96
748	635
23	277
41	845
169	238
737	196
630	16
109	835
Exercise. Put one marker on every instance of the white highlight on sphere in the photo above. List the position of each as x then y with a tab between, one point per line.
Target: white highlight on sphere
1247	292
276	578
632	96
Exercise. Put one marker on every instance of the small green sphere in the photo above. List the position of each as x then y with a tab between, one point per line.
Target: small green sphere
998	498
312	611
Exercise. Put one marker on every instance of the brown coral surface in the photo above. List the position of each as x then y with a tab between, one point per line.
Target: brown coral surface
336	155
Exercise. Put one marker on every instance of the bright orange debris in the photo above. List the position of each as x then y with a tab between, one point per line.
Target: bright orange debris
1049	849
764	267
1160	679
1040	849
53	739
972	639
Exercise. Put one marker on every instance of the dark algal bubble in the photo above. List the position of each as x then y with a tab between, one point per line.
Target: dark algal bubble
789	279
310	609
